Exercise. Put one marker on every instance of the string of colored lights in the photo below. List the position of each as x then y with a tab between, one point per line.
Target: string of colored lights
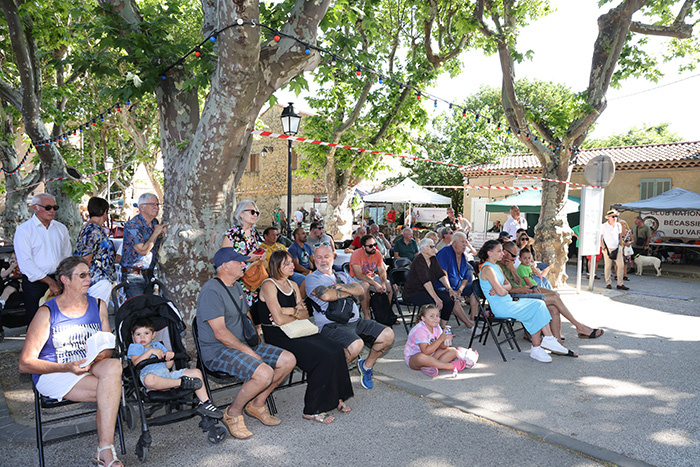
335	58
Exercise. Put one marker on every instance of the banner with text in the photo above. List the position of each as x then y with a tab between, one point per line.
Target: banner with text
675	224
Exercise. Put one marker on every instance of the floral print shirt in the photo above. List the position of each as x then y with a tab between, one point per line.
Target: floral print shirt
136	231
245	246
92	240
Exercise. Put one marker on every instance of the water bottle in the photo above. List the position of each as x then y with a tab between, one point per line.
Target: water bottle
448	331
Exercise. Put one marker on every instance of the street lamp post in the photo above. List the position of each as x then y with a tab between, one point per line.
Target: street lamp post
109	165
290	127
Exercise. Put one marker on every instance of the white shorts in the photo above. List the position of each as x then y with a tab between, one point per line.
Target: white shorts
57	385
102	290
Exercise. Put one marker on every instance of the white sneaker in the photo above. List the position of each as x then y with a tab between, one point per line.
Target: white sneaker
539	354
552	344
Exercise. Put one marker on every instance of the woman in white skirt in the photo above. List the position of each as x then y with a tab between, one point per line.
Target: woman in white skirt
55	348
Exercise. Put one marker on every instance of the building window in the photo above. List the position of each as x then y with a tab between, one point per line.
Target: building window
253	163
650	187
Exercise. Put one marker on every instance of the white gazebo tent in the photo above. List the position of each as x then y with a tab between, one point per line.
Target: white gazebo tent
409	192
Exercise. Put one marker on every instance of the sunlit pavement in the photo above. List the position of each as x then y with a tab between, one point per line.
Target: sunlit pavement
630	399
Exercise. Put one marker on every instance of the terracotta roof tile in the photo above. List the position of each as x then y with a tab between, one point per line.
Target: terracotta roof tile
665	152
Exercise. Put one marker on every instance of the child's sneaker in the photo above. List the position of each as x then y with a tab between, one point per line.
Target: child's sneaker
207	409
365	375
187	382
429	371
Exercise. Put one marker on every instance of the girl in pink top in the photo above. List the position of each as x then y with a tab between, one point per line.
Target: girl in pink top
425	348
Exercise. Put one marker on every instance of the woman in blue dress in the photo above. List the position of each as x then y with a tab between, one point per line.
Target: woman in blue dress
531	312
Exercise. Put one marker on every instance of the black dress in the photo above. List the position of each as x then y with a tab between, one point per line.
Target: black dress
321	358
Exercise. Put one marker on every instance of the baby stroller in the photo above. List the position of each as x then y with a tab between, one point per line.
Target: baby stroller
12	314
156	407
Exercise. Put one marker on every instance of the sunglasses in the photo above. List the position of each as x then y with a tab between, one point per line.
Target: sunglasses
511	254
83	275
48	207
252	211
615	216
152	204
370	245
316	245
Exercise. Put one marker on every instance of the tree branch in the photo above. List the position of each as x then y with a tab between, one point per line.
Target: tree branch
10	94
390	118
680	31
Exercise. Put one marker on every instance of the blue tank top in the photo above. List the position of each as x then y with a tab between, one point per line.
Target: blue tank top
67	336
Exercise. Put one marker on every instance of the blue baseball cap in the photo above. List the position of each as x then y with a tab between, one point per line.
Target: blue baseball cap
226	254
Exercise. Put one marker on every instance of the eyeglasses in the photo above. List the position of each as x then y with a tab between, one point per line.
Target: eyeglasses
48	207
152	204
370	245
511	254
431	246
316	245
252	211
83	275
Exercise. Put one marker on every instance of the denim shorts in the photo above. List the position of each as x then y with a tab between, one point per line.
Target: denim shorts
161	371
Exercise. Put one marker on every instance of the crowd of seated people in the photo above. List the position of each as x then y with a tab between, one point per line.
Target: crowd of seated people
441	277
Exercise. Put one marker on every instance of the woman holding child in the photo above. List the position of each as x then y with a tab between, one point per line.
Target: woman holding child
328	385
56	346
532	313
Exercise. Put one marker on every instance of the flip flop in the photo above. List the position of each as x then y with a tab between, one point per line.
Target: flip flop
593	335
343	408
320	418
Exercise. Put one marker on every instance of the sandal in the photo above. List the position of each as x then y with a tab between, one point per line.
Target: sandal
99	461
320	418
262	414
344	408
236	426
593	335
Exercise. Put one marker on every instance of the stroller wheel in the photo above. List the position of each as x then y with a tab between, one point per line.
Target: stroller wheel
127	413
216	434
141	452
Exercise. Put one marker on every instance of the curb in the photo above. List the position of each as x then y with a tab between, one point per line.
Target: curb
542	434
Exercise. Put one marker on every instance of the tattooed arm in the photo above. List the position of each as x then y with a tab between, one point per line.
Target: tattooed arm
337	291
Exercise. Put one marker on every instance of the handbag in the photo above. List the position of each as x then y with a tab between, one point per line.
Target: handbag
250	334
299	328
611	254
628	251
254	276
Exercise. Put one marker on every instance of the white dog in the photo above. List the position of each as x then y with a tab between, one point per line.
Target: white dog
642	261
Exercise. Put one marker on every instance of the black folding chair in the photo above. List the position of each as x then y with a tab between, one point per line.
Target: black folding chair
489	322
398	277
402	263
65	432
225	380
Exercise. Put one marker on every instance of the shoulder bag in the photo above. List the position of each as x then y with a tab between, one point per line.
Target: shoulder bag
254	276
250	334
340	310
611	254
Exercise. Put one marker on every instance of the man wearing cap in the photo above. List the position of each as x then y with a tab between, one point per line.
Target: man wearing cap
40	244
504	237
514	222
642	236
611	235
142	237
222	318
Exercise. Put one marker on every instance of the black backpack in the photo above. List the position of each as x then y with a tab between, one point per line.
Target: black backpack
382	310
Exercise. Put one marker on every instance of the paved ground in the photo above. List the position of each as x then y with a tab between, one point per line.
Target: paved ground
630	399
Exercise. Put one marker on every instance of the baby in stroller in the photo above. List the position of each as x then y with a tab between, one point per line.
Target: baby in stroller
160	375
